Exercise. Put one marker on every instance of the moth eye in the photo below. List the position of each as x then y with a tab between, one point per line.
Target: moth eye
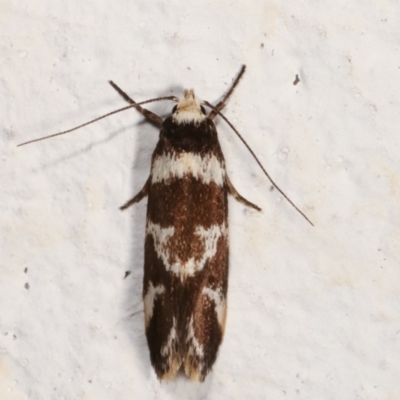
203	110
174	109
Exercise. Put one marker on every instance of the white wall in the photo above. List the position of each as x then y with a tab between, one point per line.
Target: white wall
313	312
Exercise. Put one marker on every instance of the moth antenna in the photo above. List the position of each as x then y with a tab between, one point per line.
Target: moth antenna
255	157
77	127
130	101
172	98
242	71
222	103
144	111
133	105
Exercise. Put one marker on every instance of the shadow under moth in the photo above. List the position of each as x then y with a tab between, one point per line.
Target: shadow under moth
186	242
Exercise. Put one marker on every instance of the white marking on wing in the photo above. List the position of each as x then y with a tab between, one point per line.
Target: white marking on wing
210	238
168	346
162	236
195	348
149	298
220	303
207	169
194	358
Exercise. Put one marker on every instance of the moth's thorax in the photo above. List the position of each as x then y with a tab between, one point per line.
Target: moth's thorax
188	109
197	138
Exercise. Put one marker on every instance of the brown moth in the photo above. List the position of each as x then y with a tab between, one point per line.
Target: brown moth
186	246
186	254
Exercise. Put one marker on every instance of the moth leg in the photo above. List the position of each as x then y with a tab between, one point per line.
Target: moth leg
146	113
233	192
143	193
222	103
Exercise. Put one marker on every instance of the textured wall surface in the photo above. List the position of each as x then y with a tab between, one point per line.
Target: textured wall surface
313	313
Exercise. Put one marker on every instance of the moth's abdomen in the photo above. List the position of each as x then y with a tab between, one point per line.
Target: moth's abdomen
186	261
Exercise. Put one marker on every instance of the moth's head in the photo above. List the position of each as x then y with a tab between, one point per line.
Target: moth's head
188	109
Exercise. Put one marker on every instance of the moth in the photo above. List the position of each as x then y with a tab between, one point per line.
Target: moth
186	254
